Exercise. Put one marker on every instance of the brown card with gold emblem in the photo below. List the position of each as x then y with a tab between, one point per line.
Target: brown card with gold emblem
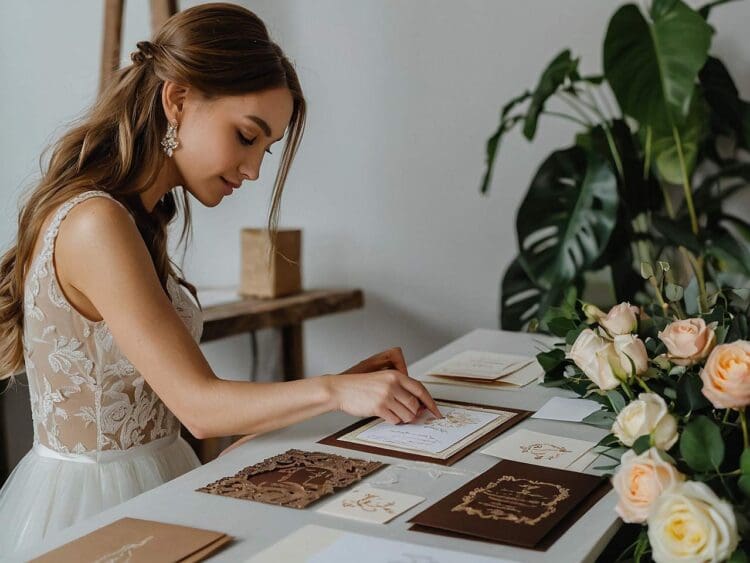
139	541
294	479
513	503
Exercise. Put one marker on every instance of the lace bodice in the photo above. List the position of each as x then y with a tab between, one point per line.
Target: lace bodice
85	394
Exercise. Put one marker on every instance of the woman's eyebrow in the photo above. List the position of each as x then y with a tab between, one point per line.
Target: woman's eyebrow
263	125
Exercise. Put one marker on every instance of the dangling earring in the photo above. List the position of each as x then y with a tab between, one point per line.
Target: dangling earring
170	142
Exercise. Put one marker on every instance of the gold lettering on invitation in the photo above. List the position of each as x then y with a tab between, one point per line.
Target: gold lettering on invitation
545	451
370	502
518	500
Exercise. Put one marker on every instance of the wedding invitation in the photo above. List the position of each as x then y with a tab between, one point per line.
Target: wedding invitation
293	479
368	504
481	366
139	541
528	446
514	503
475	368
463	428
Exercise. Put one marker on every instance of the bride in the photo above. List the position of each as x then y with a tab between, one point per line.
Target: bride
94	310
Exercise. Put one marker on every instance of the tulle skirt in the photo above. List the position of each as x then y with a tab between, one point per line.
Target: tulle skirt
48	491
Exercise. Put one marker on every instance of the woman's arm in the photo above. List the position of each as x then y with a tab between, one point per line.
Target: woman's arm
100	253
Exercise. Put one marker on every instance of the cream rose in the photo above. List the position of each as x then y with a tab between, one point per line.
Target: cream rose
595	356
726	375
640	480
690	523
621	319
631	348
688	341
646	416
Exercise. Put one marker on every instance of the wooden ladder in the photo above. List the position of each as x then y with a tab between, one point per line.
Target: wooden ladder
161	10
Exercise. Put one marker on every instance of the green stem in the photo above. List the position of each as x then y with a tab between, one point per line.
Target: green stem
647	153
655	284
743	422
643	384
685	181
565	116
628	390
568	100
697	265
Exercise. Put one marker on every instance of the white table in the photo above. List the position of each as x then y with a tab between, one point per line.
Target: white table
256	526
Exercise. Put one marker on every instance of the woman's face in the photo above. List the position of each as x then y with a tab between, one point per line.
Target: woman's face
223	140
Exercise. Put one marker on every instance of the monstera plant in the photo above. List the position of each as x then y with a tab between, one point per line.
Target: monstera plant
647	182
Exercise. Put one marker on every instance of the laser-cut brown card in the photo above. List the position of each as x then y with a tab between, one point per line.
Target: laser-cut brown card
294	479
514	503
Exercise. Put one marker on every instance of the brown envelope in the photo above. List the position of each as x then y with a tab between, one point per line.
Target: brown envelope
136	541
514	503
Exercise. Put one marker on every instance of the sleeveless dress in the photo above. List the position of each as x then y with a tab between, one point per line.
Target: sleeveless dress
101	434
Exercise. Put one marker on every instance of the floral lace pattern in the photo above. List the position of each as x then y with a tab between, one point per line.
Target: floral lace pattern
85	394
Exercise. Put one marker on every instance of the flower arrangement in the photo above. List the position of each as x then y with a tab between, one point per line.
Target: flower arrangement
674	379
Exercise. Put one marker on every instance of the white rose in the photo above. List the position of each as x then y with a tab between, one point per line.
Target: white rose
690	523
648	415
621	319
630	347
639	481
595	356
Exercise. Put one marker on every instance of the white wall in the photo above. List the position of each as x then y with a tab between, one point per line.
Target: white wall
402	97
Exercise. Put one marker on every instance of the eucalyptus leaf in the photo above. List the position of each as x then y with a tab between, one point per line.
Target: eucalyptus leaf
701	445
642	444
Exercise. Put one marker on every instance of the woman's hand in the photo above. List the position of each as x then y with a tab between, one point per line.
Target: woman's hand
380	386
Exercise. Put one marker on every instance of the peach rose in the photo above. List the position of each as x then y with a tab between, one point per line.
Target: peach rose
688	341
726	375
621	319
639	481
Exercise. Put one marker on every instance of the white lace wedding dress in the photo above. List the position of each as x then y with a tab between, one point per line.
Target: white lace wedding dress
101	434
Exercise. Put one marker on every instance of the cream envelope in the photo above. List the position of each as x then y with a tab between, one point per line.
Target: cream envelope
485	366
528	446
369	504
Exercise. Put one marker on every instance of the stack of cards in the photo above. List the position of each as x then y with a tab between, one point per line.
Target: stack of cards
135	540
485	369
536	448
515	503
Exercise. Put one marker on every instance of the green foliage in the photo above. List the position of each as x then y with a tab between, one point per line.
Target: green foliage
645	180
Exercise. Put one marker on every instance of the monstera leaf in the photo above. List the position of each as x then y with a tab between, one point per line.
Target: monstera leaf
567	217
554	76
507	122
652	67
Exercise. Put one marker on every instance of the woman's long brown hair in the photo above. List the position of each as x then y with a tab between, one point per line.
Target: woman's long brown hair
219	49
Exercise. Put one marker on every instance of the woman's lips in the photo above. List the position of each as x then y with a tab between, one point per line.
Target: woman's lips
228	186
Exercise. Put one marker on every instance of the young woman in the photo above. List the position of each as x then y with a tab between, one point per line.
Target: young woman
92	306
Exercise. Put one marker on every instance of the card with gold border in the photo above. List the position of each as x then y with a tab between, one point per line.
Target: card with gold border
463	428
514	503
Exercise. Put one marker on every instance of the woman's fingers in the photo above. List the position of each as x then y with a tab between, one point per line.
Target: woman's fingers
403	413
420	391
408	400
